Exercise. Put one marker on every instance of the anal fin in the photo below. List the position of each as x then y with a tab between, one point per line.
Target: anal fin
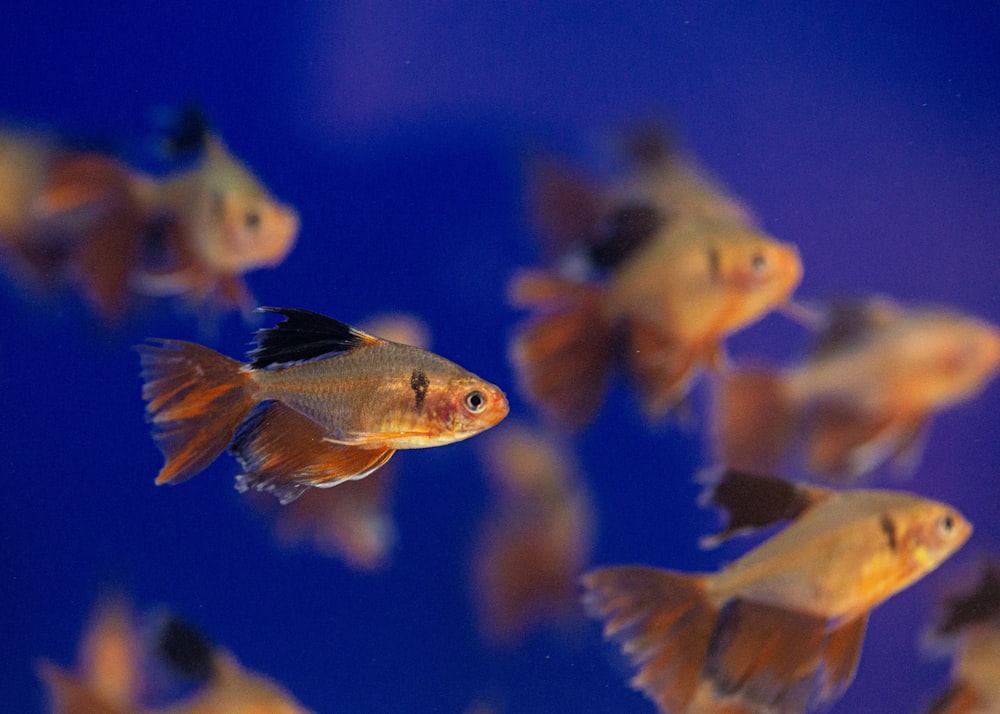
841	653
284	453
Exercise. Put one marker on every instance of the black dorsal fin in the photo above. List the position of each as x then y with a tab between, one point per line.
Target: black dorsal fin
848	322
186	650
980	605
302	336
752	501
623	232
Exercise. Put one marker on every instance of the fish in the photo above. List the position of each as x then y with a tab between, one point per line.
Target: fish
353	522
652	276
319	403
537	537
781	628
865	395
87	220
970	627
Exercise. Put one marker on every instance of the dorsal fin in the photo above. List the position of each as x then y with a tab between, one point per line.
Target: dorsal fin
849	322
185	650
302	336
751	501
979	605
622	232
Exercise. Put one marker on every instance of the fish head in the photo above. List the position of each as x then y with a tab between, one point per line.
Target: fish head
465	405
254	231
758	272
929	532
948	358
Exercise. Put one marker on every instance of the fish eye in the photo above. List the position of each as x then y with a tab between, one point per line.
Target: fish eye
475	401
946	524
252	219
758	262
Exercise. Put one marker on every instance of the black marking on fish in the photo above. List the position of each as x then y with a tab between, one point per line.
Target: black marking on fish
714	265
889	528
980	605
419	384
302	336
623	232
186	650
752	501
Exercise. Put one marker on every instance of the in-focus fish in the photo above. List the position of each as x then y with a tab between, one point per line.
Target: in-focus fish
87	220
672	266
536	540
971	626
354	521
781	628
877	374
319	403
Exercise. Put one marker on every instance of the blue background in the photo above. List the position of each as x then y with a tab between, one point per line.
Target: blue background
869	137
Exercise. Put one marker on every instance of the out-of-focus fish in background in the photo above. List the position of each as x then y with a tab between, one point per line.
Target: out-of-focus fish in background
320	403
353	521
87	220
653	273
970	627
876	375
537	539
781	628
115	660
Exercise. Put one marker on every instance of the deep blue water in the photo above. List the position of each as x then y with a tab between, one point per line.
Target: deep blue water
871	138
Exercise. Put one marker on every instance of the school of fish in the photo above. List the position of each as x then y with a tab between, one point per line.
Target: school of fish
646	275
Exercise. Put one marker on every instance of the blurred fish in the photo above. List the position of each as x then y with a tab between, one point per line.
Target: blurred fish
536	541
86	219
665	268
352	522
319	403
780	629
110	677
877	374
972	623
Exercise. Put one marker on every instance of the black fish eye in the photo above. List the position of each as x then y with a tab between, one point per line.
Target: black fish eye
758	262
946	524
252	219
475	401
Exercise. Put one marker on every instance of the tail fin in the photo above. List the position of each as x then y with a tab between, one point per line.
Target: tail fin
564	357
196	399
753	421
664	623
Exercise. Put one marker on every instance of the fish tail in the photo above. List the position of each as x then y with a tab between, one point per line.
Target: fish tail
753	420
196	399
564	356
664	622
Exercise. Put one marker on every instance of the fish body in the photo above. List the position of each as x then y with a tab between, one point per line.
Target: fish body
319	403
878	373
781	628
672	267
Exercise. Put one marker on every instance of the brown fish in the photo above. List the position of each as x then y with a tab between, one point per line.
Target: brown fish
781	628
877	374
88	220
667	266
320	403
537	538
971	626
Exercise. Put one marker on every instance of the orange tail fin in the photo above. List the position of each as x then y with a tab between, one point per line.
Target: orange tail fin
196	399
664	623
753	421
564	357
285	453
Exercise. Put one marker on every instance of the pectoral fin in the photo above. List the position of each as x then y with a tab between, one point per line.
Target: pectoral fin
284	452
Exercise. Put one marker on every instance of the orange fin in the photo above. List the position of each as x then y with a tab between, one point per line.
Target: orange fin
663	369
284	453
752	501
841	653
565	355
959	698
753	423
767	656
664	623
196	399
67	695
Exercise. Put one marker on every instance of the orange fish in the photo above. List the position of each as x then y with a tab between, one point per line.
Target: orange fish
538	538
320	402
665	268
972	622
781	628
866	394
354	521
88	220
